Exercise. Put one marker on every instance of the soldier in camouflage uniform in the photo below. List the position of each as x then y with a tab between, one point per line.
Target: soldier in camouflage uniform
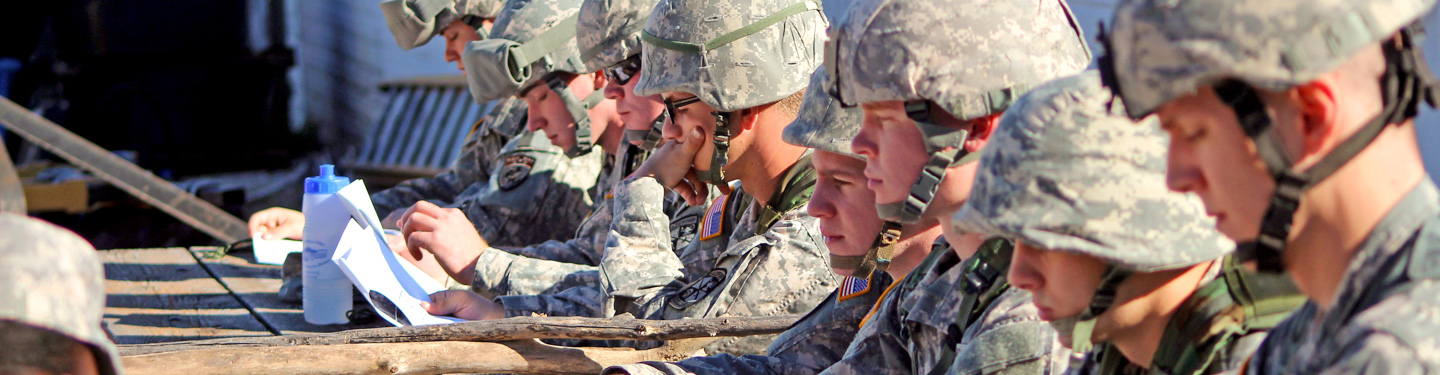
769	258
490	181
1294	122
516	280
52	301
1109	253
846	210
933	77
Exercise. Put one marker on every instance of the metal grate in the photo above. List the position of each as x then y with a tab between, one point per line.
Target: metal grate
421	130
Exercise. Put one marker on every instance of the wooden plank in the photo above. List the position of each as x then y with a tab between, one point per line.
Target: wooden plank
122	174
161	295
256	284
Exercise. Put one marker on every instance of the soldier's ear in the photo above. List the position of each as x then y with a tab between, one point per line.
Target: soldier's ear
598	80
1315	111
980	131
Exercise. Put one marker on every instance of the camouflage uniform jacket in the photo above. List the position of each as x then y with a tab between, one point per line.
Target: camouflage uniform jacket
812	344
491	180
556	278
1386	315
916	329
1214	330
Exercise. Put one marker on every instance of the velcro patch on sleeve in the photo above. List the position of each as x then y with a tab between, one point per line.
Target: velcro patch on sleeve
714	223
852	286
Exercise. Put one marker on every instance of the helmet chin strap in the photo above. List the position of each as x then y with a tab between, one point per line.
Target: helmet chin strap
579	110
946	146
649	138
1080	328
877	258
1406	81
721	156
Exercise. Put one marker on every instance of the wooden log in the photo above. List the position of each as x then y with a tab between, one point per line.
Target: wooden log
518	328
448	357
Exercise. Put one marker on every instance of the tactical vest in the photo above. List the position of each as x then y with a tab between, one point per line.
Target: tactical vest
1210	323
984	280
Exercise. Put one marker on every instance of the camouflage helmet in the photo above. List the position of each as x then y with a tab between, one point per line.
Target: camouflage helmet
824	124
732	55
1159	50
970	58
414	22
608	31
50	278
1163	50
531	42
1067	172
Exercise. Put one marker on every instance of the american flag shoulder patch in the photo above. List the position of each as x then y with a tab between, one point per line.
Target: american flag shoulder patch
714	223
853	286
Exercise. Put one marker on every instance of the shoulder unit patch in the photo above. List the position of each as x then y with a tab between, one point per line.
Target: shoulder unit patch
515	170
698	290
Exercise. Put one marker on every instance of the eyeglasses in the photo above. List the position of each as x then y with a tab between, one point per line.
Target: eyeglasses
624	71
672	105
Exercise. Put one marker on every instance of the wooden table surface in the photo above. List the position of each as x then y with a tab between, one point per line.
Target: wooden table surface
173	294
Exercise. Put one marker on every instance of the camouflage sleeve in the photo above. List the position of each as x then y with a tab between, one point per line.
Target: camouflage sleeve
1010	338
638	253
879	346
783	270
535	194
499	273
471	167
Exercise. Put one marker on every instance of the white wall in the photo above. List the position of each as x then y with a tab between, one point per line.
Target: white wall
345	52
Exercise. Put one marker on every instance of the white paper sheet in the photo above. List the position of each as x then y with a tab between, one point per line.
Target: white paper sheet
273	252
366	259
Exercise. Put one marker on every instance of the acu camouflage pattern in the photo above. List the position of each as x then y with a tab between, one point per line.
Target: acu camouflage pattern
1214	330
414	22
571	286
1065	172
761	68
1385	317
608	31
824	124
519	22
507	217
970	57
916	321
51	278
814	343
1160	50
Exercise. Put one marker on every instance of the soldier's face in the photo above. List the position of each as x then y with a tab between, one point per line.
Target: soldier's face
1062	285
845	207
548	112
896	154
689	117
456	35
1211	157
638	112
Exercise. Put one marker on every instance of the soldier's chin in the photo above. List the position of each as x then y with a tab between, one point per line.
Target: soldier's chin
1065	330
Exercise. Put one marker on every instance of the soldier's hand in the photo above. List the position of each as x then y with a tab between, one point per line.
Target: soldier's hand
276	223
463	304
446	233
671	165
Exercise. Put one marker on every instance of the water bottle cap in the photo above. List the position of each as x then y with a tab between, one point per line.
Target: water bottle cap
327	182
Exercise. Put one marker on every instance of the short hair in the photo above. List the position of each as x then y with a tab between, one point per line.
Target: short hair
791	104
31	347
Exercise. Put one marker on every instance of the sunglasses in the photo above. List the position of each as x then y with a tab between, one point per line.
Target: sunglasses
672	105
624	71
